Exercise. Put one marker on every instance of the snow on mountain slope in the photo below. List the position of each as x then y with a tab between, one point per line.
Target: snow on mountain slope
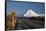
31	13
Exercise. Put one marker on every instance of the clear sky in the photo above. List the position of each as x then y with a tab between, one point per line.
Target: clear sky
22	7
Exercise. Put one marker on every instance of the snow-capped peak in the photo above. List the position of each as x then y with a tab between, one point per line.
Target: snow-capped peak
31	13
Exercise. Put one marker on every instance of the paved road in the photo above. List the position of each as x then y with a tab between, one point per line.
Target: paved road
28	24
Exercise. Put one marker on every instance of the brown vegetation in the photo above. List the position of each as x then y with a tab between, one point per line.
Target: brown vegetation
11	21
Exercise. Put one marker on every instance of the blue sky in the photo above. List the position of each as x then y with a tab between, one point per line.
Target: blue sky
22	7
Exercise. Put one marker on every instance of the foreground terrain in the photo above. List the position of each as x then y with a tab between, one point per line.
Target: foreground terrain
23	23
29	23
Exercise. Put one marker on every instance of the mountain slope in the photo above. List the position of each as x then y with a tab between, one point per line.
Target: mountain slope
31	13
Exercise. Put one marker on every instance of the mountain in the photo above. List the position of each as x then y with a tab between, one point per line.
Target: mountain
42	14
31	13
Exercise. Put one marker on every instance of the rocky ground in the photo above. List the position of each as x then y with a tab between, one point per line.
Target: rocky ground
29	23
